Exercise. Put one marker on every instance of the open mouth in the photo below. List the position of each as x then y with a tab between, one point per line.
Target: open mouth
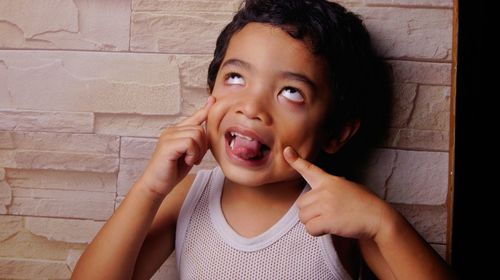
246	147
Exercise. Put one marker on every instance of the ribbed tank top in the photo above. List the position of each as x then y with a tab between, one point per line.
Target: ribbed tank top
208	248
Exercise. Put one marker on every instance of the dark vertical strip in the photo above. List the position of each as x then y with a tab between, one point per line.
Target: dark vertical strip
468	135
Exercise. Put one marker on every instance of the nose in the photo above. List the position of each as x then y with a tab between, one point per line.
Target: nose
256	107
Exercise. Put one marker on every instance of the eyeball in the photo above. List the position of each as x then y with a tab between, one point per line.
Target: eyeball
292	94
235	79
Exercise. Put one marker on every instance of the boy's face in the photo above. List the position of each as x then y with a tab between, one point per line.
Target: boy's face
271	92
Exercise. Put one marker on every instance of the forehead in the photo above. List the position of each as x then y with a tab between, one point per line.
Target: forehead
271	48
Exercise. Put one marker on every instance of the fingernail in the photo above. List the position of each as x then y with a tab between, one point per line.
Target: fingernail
291	153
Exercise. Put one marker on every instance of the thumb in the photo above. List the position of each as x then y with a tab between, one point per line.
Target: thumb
310	172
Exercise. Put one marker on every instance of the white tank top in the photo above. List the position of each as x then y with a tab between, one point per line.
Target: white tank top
208	248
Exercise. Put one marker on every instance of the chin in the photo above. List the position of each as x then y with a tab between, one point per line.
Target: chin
245	176
257	177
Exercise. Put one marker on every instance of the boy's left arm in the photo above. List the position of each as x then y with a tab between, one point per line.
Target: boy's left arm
399	252
389	244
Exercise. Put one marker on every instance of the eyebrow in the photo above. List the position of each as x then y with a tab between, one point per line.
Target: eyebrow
238	63
285	74
300	78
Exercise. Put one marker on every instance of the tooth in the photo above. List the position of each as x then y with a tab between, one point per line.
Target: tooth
231	144
243	136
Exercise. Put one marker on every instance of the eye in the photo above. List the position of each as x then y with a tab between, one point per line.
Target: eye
292	94
234	79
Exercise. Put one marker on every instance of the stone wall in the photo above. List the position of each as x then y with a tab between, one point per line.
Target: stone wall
87	86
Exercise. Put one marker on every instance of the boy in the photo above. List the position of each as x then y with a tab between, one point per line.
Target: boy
287	86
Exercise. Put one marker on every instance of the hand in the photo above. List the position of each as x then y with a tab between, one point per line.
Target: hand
178	149
335	205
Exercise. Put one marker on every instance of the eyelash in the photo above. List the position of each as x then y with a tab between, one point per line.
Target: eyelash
233	75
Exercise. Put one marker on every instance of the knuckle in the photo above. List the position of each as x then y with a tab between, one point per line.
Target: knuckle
301	217
308	165
166	132
200	132
310	229
191	142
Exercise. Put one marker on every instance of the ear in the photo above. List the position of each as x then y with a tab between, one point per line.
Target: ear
348	131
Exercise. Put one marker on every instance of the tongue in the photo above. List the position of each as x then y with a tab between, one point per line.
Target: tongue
246	149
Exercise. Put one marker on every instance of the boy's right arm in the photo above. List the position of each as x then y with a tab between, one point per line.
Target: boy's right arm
113	254
160	240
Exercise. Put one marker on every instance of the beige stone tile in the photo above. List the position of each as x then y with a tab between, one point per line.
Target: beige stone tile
408	177
9	226
79	24
62	180
18	268
28	159
428	73
378	168
403	104
193	73
118	202
413	3
62	142
429	221
432	108
419	177
171	32
26	245
74	122
130	171
66	230
133	124
421	117
62	204
186	6
5	196
193	100
73	257
91	82
409	33
416	139
137	148
193	70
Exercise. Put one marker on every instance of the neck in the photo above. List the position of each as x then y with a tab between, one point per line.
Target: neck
281	193
250	211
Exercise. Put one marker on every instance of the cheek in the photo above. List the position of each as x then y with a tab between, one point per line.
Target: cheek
216	114
300	135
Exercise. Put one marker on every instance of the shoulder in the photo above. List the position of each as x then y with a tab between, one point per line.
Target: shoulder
171	206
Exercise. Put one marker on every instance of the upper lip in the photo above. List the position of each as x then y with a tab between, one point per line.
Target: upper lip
254	134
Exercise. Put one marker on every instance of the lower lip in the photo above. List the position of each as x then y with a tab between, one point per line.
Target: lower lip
245	162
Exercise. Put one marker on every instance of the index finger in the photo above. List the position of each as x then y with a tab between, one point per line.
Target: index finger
310	172
201	115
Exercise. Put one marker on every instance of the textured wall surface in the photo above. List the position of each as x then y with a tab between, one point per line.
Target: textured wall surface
87	86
